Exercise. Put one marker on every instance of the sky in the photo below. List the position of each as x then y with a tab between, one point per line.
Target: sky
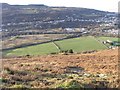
105	5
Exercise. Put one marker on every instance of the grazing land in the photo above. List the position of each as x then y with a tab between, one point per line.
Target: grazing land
41	49
95	70
81	44
108	38
29	39
76	44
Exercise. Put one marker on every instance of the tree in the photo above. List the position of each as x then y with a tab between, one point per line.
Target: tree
70	51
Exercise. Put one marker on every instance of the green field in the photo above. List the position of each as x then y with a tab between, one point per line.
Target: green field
108	38
41	49
77	44
81	44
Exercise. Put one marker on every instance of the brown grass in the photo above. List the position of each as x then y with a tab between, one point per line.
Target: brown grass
50	71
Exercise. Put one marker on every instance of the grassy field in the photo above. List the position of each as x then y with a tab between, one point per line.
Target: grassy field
77	44
108	38
41	49
101	39
81	44
29	39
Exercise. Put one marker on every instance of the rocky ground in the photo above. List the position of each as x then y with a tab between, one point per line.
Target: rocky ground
93	70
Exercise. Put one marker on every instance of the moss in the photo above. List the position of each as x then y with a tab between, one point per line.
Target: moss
70	84
18	86
3	80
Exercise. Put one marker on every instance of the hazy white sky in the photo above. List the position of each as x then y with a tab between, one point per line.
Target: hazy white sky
106	5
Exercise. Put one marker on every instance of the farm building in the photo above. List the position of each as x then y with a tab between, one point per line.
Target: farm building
108	41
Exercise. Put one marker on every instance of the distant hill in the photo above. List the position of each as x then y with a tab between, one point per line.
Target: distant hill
51	17
6	5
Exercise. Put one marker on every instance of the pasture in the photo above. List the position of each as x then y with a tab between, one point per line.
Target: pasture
112	39
41	49
79	44
108	38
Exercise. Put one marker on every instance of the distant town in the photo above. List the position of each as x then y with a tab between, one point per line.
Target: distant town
41	19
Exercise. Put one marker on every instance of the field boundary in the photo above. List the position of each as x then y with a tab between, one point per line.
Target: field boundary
57	46
100	42
32	44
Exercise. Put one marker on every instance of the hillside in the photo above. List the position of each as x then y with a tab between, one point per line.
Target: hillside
94	70
44	17
35	19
